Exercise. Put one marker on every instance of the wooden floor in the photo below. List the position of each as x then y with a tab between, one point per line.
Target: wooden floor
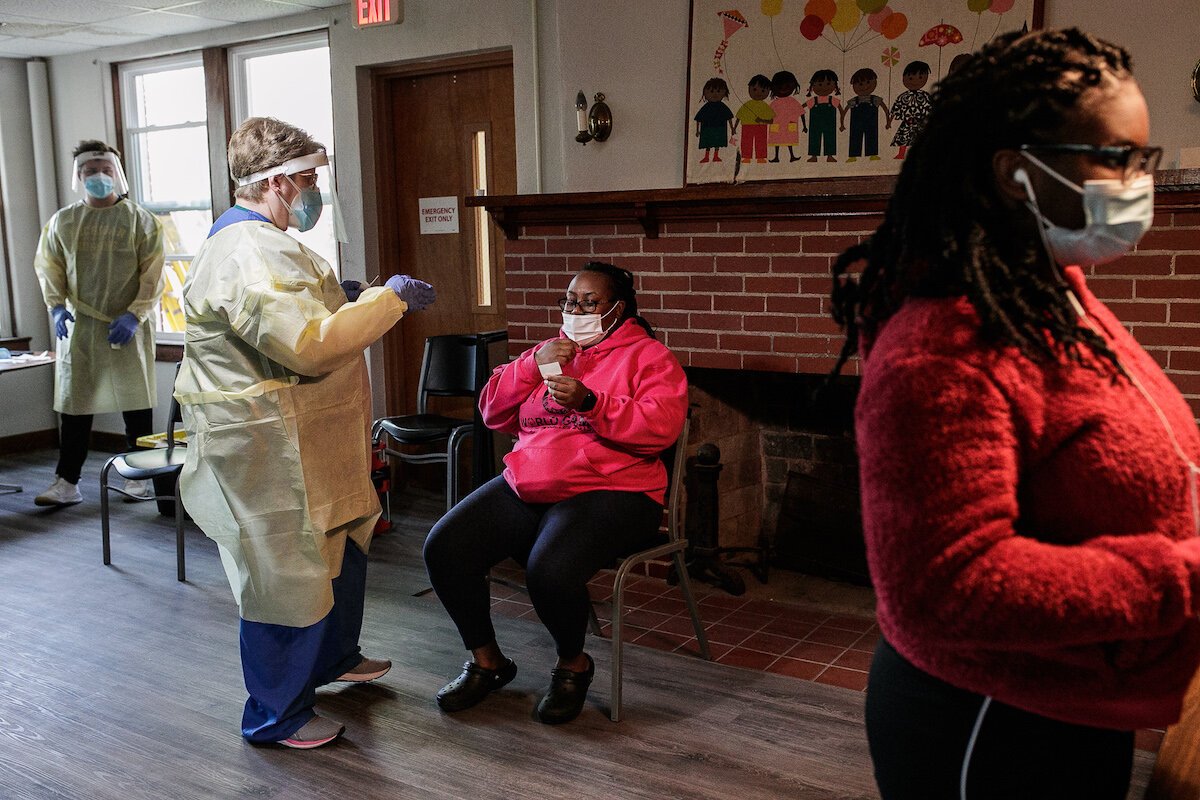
120	682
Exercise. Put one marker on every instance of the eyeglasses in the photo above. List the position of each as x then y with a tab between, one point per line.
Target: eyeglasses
1134	162
306	179
567	304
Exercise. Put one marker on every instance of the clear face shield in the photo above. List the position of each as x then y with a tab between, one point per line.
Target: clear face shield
315	206
98	174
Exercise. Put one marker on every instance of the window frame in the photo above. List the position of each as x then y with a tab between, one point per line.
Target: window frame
125	74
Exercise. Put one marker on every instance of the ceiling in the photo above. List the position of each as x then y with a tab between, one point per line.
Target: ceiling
31	28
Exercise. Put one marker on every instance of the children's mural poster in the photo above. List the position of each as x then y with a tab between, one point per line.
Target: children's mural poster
787	89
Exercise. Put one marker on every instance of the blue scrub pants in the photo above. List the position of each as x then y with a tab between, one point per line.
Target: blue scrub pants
283	666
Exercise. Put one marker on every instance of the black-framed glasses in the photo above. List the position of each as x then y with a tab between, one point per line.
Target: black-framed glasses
566	304
1134	162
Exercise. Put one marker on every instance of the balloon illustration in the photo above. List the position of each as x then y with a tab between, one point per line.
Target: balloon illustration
871	6
978	6
894	25
1001	6
823	9
811	27
876	20
771	8
847	16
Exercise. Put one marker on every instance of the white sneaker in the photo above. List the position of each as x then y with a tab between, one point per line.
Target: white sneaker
60	493
138	490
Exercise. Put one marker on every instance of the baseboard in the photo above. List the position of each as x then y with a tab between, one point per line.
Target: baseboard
24	442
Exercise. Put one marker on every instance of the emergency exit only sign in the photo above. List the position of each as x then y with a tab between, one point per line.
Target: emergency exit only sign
373	13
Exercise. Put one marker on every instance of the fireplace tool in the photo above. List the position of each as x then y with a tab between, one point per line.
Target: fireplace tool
704	559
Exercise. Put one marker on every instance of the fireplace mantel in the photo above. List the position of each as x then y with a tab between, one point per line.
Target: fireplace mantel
1177	189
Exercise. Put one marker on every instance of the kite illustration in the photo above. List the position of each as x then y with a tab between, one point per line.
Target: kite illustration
734	22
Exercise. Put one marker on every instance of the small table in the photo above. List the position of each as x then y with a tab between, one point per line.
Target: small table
22	361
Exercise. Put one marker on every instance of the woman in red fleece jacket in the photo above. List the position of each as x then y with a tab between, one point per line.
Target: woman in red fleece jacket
592	411
1028	471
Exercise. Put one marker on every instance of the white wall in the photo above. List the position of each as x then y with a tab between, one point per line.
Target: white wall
633	51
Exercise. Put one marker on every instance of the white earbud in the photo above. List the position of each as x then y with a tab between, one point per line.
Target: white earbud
1021	177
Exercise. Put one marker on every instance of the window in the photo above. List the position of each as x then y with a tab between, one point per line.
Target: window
166	133
166	162
289	79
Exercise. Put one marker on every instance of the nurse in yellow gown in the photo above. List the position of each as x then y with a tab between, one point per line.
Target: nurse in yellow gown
99	262
276	403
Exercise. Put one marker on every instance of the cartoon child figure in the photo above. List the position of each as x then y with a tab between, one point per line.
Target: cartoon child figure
755	115
864	115
912	106
714	120
785	128
822	112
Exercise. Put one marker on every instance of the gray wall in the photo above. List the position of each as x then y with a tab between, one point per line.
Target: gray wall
634	52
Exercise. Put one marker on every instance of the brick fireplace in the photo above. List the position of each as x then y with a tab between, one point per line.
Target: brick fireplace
736	281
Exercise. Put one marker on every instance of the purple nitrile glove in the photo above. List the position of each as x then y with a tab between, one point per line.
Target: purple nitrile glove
61	318
418	294
122	329
352	289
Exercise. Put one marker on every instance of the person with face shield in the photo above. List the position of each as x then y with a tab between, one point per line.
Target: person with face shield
1028	472
276	404
99	262
592	411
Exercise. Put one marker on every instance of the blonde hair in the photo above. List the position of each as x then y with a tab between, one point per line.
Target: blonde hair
261	143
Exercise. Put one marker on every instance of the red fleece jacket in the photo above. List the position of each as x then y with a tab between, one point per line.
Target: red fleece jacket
641	402
1029	526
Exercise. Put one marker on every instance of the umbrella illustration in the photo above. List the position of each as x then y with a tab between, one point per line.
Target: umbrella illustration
941	35
733	22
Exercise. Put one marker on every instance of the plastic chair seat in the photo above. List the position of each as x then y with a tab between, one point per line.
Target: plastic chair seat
143	465
421	428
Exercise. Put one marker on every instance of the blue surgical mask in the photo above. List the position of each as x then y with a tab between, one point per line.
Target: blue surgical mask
305	209
98	186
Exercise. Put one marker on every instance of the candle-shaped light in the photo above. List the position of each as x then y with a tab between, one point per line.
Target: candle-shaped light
581	112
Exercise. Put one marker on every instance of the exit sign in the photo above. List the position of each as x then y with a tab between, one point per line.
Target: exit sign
373	13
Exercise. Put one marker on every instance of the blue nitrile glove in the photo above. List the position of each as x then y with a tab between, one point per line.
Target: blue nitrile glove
122	329
352	289
61	318
418	294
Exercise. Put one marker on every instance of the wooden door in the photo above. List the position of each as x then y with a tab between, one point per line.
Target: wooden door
443	129
433	121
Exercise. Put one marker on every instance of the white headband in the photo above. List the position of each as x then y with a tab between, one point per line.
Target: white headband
291	167
93	155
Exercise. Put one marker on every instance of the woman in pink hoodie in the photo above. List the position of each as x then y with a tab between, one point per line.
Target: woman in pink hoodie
592	411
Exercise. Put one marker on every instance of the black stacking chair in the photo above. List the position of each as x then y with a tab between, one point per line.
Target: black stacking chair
141	465
454	365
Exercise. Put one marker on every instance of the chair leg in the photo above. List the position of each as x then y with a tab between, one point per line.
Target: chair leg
618	612
594	621
104	543
180	573
685	586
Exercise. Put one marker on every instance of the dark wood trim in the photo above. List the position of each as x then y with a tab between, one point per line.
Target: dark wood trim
648	208
1175	190
24	442
216	90
501	57
168	353
16	342
118	114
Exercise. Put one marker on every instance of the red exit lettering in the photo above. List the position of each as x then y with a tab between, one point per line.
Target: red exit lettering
373	12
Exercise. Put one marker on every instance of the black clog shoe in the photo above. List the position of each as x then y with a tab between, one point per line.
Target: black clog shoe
474	684
567	694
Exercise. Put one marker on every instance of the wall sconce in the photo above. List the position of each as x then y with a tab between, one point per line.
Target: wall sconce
595	124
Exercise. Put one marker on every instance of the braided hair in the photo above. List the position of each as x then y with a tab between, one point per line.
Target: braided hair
621	281
947	232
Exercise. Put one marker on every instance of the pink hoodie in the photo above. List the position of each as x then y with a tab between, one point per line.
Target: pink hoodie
641	402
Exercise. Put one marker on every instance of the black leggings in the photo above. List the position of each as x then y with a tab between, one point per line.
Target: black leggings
561	545
921	730
76	435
